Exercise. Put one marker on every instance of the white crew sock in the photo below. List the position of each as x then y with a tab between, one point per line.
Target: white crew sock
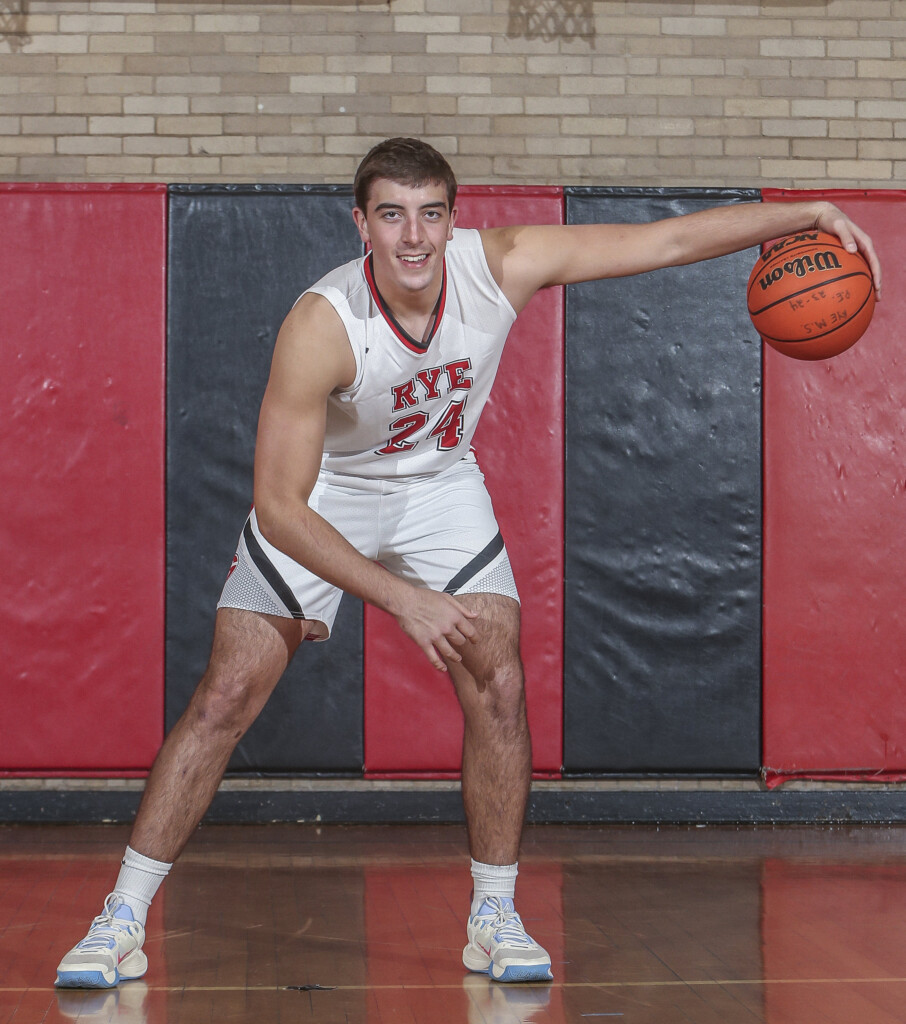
139	879
492	880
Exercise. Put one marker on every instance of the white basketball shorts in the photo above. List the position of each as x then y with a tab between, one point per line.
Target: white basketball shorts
437	532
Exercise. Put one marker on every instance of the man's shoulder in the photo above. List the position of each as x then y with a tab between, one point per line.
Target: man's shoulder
340	285
465	239
487	242
479	253
466	247
346	274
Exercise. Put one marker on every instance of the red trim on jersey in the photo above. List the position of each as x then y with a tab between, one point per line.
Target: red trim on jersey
401	333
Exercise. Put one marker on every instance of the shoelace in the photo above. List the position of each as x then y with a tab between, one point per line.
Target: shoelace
506	924
103	931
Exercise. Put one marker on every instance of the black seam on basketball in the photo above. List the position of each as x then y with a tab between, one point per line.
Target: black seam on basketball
269	572
483	558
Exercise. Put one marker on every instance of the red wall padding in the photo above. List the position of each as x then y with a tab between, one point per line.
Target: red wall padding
82	289
835	543
413	724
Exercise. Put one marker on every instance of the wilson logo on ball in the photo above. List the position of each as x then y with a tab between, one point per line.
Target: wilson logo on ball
801	266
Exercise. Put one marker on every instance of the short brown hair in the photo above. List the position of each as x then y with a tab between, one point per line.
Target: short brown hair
406	161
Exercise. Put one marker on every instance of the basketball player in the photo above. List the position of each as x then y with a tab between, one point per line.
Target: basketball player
363	465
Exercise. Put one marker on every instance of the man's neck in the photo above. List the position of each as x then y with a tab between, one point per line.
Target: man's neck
414	310
405	303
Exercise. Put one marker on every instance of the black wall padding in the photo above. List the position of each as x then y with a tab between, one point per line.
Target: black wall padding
663	507
239	256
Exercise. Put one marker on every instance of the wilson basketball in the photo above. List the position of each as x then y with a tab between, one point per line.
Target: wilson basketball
808	297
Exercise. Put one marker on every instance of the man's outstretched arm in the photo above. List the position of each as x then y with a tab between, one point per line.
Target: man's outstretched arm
526	259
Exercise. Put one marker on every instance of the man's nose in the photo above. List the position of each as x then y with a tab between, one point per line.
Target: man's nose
412	230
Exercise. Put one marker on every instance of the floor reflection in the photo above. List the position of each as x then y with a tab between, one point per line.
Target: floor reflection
366	926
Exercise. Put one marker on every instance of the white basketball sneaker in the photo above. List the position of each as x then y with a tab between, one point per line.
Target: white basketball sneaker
499	946
111	952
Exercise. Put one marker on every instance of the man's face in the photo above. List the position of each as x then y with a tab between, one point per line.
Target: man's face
408	229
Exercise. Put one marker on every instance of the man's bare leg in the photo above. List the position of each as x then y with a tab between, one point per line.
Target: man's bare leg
497	748
249	655
496	778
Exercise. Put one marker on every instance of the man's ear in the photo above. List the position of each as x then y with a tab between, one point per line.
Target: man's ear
453	214
358	215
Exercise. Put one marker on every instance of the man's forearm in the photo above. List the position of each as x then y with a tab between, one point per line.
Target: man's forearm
310	540
726	229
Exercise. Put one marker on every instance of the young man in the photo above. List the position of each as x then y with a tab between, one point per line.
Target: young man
363	464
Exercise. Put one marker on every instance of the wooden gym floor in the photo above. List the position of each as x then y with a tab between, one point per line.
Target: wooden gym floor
365	925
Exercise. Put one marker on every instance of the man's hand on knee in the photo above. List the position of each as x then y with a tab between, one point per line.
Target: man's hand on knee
438	623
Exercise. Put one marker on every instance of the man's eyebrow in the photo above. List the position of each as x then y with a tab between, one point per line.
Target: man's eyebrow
438	204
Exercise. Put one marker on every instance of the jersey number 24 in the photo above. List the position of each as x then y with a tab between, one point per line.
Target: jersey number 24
448	430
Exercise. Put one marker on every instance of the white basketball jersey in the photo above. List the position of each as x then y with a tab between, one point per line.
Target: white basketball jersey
413	408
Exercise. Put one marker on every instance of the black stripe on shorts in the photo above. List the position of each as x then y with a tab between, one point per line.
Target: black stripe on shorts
474	567
267	570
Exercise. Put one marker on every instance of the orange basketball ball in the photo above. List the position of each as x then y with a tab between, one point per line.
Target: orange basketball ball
808	297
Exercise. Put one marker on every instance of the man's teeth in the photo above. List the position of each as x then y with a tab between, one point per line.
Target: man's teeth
414	259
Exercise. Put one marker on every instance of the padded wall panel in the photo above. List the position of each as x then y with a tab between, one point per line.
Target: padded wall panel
663	491
82	357
835	546
239	258
412	719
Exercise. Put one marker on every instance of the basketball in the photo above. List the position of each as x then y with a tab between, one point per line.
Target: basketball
809	297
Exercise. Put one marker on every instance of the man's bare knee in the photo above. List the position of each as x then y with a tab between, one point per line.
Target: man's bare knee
489	681
224	705
249	655
502	697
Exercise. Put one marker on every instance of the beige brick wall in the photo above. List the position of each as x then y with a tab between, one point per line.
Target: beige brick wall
808	94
